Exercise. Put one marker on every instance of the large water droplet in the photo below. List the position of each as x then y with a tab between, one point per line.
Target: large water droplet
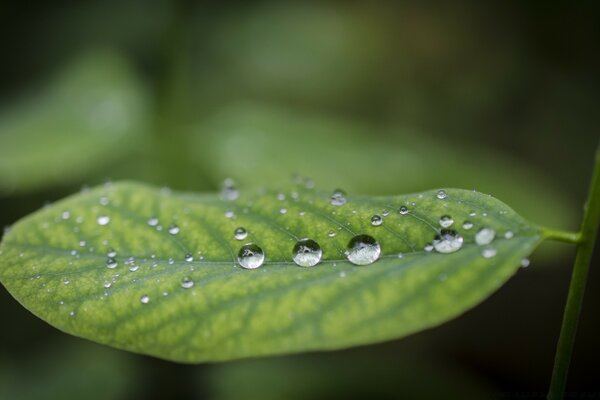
446	221
187	283
441	194
145	299
485	236
338	198
103	220
251	256
173	229
376	220
240	233
307	253
363	250
447	241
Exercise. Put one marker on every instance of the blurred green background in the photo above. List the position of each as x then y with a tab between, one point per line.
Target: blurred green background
376	98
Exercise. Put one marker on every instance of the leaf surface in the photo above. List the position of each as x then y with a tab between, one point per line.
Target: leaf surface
57	263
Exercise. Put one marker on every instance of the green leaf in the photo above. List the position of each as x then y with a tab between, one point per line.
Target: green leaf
55	263
93	113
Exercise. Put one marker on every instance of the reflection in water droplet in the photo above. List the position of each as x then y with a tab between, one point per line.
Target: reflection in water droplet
376	220
251	256
467	225
363	250
173	229
403	210
145	299
446	221
187	283
307	253
111	263
338	198
240	233
441	194
447	241
103	220
485	236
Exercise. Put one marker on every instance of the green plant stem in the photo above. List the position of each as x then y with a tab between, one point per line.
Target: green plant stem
562	236
585	248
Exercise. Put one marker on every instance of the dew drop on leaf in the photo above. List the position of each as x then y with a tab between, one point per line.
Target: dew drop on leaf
307	253
187	283
111	253
488	252
103	220
338	198
485	236
145	299
111	263
447	241
376	220
446	221
188	257
363	250
525	262
153	221
173	229
251	256
240	233
403	210
441	194
66	215
509	235
467	225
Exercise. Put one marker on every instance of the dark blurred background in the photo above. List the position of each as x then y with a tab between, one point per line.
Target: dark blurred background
377	98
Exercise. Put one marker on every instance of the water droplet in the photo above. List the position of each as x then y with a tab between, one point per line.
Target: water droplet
283	211
66	281
403	210
228	190
187	282
251	256
153	221
107	285
441	194
66	215
111	253
446	221
485	236
338	198
385	213
447	241
82	243
111	263
240	233
489	252
428	247
171	261
376	220
307	253
525	262
472	214
467	225
145	299
280	196
173	229
188	257
229	214
134	268
363	250
103	201
331	234
509	235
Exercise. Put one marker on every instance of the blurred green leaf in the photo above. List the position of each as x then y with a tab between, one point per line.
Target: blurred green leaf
257	144
173	288
93	113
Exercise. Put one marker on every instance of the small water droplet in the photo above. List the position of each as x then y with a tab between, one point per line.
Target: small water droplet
187	283
145	299
134	268
188	257
173	229
385	213
331	234
428	247
280	196
472	214
153	221
488	252
363	250
229	214
403	210
400	255
171	261
446	221
103	201
525	262
283	211
485	236
447	241
111	263
376	220
509	235
66	215
240	233
467	225
228	190
103	220
441	194
251	256
82	243
307	253
111	253
72	314
338	198
66	281
107	285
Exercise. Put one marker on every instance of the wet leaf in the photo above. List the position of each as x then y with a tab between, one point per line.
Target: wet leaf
158	272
